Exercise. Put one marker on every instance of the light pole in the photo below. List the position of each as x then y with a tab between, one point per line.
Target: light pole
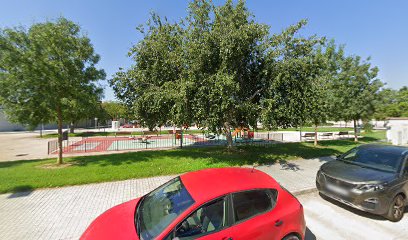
96	122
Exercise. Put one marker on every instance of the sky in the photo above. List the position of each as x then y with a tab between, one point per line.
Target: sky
368	28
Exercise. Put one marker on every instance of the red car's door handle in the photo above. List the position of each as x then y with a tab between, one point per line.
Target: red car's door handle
278	223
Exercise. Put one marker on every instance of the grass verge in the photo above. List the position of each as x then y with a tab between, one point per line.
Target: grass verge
27	175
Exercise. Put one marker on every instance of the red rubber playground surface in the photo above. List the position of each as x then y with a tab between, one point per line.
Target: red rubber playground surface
103	144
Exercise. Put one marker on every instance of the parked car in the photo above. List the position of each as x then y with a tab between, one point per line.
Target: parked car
372	178
128	125
225	203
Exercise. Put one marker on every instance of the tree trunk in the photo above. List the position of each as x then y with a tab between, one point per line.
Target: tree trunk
59	113
355	131
227	131
72	128
315	137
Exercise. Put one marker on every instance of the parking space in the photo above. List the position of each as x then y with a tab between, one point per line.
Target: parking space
327	219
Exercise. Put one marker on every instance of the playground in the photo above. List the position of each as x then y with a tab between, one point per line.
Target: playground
152	140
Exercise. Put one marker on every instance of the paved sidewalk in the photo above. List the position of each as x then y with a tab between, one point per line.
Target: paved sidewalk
64	213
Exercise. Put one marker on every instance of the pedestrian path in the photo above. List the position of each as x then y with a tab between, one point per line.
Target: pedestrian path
64	213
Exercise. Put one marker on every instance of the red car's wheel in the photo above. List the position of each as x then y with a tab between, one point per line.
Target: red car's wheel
291	237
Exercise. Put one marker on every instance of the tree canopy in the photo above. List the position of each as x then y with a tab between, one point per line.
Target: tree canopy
219	68
354	90
48	74
392	103
114	110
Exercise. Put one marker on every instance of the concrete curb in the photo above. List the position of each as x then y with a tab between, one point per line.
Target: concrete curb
304	191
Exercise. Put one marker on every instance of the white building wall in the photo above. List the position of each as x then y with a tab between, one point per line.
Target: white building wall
6	126
397	131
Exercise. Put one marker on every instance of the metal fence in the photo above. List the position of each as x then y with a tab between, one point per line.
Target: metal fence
103	144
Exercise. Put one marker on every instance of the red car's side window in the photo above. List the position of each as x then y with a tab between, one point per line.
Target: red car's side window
205	220
250	203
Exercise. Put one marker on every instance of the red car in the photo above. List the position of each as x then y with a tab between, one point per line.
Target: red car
224	203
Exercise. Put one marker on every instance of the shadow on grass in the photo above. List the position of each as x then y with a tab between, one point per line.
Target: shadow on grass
19	162
241	155
21	191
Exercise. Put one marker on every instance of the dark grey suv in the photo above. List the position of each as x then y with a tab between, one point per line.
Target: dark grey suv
372	178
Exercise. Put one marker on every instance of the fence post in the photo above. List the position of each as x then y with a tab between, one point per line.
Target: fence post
181	139
85	144
48	147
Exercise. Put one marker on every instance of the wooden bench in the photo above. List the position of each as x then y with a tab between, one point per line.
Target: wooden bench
343	134
309	135
327	134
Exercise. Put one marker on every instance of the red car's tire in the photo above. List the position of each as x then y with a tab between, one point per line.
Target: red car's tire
291	237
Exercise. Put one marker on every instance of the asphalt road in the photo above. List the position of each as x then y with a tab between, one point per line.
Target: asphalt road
327	219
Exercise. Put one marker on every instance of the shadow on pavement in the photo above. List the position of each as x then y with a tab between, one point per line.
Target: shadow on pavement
285	165
21	191
309	235
357	211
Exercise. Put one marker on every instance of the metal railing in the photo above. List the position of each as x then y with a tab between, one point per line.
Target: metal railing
122	143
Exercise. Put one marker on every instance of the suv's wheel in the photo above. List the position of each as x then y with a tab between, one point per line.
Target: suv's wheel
291	237
396	209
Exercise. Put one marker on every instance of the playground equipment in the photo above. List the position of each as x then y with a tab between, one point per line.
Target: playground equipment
243	133
177	133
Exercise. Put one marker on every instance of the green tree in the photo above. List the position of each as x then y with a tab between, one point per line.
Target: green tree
392	103
85	105
386	104
219	69
354	91
115	110
48	72
324	66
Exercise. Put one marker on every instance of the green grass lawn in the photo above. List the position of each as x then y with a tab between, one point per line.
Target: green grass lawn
26	175
319	129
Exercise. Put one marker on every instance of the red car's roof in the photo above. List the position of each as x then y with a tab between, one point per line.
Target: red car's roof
207	184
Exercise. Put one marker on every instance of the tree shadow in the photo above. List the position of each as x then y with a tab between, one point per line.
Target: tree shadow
309	235
285	165
21	191
19	162
239	156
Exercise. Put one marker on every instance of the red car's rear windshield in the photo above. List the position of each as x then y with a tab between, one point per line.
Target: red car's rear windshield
160	207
